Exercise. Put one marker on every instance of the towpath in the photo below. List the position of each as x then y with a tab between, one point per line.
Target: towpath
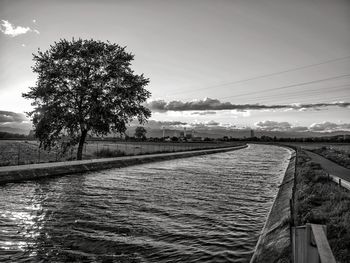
330	167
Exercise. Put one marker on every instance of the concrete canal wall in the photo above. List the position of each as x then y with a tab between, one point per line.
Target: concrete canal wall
274	244
9	174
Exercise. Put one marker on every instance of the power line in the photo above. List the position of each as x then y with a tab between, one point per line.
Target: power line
288	86
313	92
266	75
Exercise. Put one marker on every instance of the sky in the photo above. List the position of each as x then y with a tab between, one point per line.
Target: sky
209	62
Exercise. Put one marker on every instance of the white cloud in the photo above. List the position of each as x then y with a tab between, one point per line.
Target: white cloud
329	127
273	125
315	127
8	29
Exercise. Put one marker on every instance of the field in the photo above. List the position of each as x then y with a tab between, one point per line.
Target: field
27	152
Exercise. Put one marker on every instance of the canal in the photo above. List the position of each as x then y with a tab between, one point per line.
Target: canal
200	209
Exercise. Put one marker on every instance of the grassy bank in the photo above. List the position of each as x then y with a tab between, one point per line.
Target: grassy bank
338	155
320	201
27	152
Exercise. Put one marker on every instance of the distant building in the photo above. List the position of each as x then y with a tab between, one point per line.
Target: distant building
252	134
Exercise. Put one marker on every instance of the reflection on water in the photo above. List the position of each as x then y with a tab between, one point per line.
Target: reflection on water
200	209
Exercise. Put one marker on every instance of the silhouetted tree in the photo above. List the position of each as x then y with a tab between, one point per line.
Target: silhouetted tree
140	133
84	86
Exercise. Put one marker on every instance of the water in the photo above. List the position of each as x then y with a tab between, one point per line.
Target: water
200	209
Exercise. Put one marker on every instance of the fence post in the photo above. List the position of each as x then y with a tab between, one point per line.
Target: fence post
18	155
39	156
339	182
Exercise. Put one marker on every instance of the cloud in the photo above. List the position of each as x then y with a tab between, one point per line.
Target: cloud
9	116
329	127
153	124
265	126
287	127
179	125
8	29
209	104
203	113
273	125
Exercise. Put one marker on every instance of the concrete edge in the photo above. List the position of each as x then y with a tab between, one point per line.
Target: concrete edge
11	174
274	241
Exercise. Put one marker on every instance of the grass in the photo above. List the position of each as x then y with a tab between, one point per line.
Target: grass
24	152
337	155
27	152
320	201
107	153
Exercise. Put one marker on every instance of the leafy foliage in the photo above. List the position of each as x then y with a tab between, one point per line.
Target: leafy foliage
85	86
140	133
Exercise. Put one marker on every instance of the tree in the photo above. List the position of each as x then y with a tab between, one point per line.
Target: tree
84	86
140	133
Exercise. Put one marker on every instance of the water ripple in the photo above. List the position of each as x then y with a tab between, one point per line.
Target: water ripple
200	209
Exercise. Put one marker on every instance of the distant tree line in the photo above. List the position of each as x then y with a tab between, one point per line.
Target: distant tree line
264	138
140	135
8	135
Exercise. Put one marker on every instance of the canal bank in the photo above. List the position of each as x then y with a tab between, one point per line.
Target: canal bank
274	244
10	174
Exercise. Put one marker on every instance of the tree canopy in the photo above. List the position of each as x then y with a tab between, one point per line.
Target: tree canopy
85	86
140	133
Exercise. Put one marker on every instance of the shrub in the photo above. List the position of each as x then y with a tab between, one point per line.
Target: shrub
109	153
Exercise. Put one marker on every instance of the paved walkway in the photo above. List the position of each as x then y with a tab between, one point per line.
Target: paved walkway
330	167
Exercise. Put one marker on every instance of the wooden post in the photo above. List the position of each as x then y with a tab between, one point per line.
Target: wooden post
310	245
18	155
324	250
339	182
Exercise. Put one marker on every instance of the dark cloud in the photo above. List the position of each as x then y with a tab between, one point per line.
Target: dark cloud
204	113
160	124
171	123
214	104
9	116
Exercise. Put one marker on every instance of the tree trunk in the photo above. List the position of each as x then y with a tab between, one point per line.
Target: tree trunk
81	145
